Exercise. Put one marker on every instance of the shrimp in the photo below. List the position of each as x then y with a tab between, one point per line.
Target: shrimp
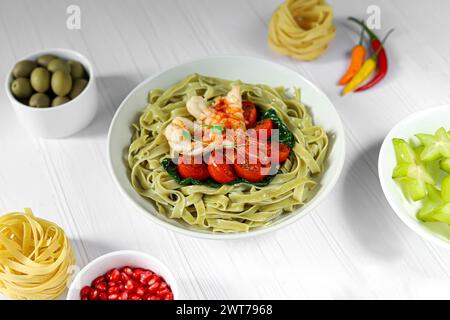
204	135
226	112
178	134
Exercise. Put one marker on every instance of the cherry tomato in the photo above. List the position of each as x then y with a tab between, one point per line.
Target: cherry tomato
250	172
250	113
219	170
189	169
265	125
283	152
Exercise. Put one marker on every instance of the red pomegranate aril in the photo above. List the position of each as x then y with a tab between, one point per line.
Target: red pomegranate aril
85	298
85	291
113	296
140	291
162	293
114	289
148	297
145	277
168	296
127	270
124	277
154	279
137	273
113	275
154	287
124	296
93	295
98	280
102	296
101	286
162	285
155	298
135	297
121	287
129	285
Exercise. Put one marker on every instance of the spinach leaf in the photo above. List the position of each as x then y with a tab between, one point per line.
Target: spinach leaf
286	136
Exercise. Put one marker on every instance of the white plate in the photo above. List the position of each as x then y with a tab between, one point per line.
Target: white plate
247	69
427	121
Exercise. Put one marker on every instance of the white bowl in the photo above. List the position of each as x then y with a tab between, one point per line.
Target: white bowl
63	120
427	121
118	259
247	69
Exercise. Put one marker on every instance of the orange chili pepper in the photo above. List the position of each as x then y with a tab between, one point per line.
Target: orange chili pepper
358	55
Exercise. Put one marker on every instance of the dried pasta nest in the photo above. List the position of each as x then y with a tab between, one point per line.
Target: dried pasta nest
302	29
35	257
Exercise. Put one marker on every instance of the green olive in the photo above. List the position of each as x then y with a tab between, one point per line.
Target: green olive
40	79
59	101
58	64
45	59
78	87
76	69
23	68
39	100
61	83
21	88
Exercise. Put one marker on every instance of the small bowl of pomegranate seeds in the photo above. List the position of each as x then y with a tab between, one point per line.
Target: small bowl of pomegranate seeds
124	275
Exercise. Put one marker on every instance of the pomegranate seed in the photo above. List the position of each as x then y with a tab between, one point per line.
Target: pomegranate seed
154	279
103	296
129	285
155	298
147	297
124	277
113	296
137	273
168	296
85	291
101	286
121	287
94	294
145	277
124	296
154	287
98	280
112	290
140	291
127	270
162	285
135	297
113	275
84	298
162	293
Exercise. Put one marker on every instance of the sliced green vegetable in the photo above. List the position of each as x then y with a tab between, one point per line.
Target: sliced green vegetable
436	146
403	151
445	189
444	164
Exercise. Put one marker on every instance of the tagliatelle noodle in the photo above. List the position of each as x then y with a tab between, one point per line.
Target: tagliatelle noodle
35	257
302	29
230	208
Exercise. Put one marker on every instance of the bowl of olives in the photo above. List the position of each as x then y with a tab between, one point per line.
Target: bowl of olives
53	92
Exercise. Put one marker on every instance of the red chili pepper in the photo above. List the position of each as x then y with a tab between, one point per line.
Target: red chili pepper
382	60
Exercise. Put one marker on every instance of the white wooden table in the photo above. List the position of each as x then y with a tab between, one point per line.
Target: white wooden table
353	246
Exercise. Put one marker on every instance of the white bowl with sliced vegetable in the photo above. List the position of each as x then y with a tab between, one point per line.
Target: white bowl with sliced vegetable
414	172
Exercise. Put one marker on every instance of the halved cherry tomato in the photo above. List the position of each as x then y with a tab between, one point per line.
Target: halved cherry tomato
265	125
283	152
250	114
219	170
189	169
250	172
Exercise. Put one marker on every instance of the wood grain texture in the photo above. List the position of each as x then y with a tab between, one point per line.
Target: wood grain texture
352	246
